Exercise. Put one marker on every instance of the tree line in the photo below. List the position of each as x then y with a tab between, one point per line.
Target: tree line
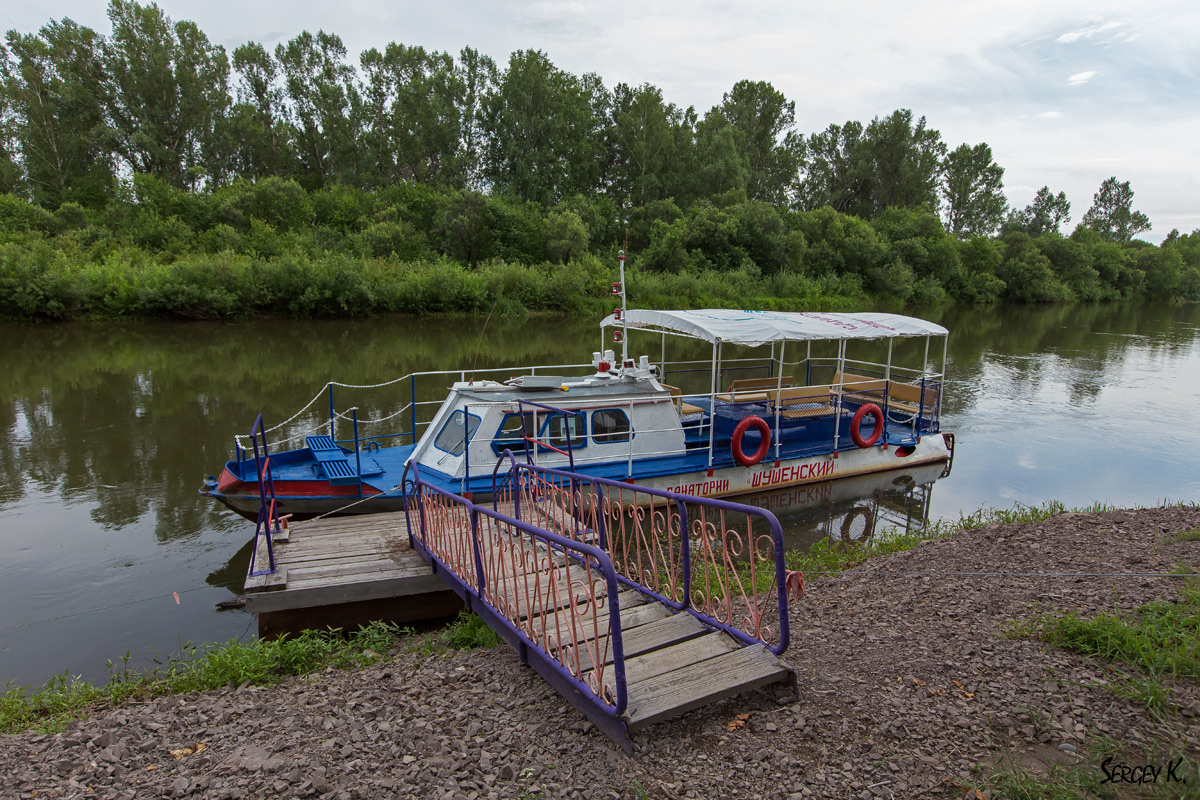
151	144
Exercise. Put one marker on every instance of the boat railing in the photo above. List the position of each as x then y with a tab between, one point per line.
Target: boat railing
903	422
268	516
722	562
425	394
568	615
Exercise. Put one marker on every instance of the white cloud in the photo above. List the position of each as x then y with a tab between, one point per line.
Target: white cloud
1070	37
1049	115
1080	78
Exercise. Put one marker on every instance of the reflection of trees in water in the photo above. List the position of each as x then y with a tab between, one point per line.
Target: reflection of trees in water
130	416
1081	344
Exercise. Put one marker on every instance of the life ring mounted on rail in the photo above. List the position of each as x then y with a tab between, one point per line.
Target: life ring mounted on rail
739	455
856	423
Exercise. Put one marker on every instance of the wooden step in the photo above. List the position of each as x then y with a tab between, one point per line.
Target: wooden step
694	685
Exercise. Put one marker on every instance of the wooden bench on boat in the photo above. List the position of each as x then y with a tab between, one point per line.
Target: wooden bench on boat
804	402
681	405
902	397
753	390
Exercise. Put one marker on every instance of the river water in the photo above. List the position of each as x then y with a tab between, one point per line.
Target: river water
106	431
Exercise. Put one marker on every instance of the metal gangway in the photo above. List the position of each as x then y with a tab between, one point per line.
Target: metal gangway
636	604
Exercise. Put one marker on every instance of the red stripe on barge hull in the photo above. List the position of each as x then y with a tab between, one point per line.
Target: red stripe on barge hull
230	484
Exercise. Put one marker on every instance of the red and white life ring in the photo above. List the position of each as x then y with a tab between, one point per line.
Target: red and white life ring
763	428
874	411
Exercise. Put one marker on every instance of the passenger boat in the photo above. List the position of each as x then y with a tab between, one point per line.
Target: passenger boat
800	411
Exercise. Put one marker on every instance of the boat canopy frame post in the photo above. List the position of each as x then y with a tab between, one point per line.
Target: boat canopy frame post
837	416
942	386
916	423
712	401
778	393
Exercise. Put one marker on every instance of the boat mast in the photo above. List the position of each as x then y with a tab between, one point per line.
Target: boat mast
624	326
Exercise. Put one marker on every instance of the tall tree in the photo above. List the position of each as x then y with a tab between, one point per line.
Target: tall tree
763	120
55	86
327	105
259	126
717	163
906	159
643	144
836	171
973	188
478	76
1046	214
169	86
412	101
11	178
541	143
1112	215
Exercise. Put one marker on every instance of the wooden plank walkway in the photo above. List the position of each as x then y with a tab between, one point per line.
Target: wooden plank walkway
673	662
341	560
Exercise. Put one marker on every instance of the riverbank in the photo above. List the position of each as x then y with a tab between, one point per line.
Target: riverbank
912	683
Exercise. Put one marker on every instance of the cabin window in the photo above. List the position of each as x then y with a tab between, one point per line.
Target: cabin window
556	427
510	435
610	425
456	431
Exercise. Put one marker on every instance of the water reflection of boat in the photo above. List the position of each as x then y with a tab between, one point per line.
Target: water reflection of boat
855	509
755	422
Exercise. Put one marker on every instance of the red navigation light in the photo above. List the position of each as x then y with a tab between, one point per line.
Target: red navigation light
616	288
617	312
617	336
603	366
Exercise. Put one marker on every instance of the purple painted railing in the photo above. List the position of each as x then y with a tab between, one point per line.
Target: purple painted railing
552	597
728	570
268	514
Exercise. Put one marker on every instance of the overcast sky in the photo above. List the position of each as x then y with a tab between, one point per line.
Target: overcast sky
1067	93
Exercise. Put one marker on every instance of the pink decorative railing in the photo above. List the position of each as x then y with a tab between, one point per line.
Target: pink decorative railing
727	570
554	595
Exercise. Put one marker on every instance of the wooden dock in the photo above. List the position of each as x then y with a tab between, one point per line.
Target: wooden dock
345	571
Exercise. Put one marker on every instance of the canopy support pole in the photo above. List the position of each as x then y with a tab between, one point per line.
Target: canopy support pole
837	417
942	387
712	401
778	392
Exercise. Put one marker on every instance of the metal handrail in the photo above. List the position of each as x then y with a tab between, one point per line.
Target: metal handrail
684	544
477	585
267	512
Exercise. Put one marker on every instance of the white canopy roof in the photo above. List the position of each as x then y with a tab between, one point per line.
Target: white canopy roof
752	328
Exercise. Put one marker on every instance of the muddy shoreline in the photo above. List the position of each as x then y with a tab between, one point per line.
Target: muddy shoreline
908	687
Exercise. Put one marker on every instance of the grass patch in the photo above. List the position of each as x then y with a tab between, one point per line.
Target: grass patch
1087	779
829	555
1189	536
1161	637
467	632
1073	782
194	669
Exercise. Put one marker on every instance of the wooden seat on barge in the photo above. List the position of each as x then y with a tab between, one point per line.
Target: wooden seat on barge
753	390
804	402
684	408
902	397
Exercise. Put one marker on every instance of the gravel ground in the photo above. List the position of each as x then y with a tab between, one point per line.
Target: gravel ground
908	688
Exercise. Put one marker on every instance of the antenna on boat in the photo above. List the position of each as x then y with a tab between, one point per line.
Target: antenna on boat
621	310
480	342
